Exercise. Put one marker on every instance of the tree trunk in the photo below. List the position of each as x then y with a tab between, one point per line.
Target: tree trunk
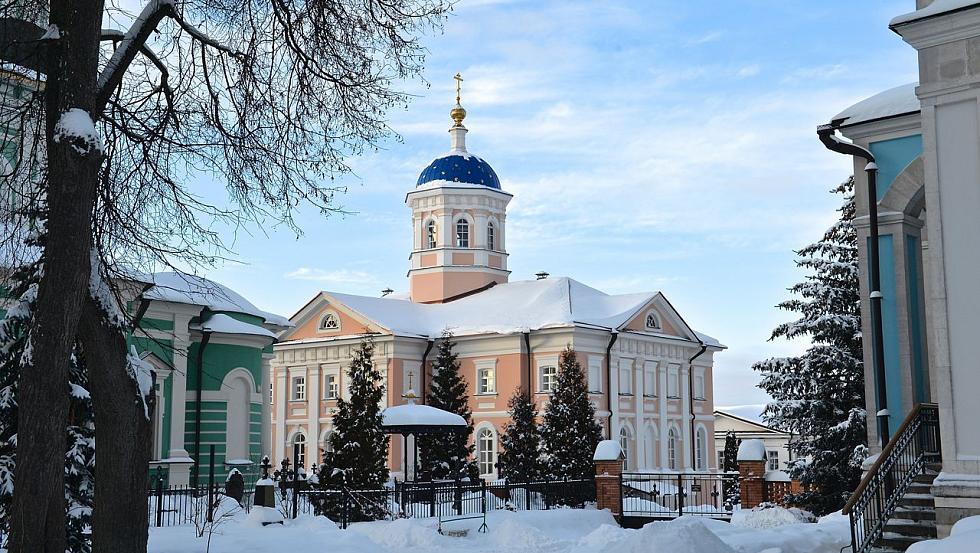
38	509
123	434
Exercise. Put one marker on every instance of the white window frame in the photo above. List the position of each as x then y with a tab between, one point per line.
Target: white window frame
656	321
324	317
595	374
700	448
486	458
462	233
625	437
298	388
721	459
491	236
673	382
486	367
671	448
772	458
543	364
430	235
650	379
699	382
331	390
299	438
625	377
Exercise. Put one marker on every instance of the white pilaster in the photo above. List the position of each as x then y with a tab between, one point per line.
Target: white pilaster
313	394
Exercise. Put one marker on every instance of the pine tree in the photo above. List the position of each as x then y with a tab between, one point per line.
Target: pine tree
449	455
570	432
733	492
80	455
360	446
520	457
819	396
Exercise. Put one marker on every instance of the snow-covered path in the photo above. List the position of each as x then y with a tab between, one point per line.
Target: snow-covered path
557	531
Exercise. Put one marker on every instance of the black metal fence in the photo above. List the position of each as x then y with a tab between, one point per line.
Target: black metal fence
179	505
670	495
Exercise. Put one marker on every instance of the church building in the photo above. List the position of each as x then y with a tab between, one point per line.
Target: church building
649	373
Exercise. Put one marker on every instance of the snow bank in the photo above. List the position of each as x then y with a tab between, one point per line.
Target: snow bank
770	516
608	450
962	537
751	450
684	535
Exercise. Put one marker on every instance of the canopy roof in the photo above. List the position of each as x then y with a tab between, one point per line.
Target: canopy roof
420	419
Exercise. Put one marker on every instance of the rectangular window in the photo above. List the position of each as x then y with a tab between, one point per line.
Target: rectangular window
595	374
773	457
271	394
699	386
673	387
299	388
548	378
721	460
486	381
625	377
331	388
650	379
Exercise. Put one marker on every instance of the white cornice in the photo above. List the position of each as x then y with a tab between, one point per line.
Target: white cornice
941	29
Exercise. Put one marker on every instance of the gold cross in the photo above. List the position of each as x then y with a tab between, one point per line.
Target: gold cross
410	375
459	84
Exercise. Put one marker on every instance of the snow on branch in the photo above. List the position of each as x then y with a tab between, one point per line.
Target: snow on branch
76	128
129	45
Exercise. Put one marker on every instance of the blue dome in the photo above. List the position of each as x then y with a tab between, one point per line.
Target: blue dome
460	168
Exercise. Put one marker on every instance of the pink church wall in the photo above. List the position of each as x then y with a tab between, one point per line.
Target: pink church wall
436	287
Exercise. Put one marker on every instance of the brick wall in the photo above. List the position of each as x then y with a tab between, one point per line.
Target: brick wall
607	485
753	483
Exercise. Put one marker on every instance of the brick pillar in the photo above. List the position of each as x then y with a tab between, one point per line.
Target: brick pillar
751	475
607	485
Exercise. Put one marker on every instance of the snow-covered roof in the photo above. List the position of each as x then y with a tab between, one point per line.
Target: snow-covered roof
506	308
938	7
608	450
195	290
890	103
225	324
751	450
411	415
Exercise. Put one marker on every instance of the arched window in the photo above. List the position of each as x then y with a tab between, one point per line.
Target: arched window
700	445
462	234
329	321
652	321
486	446
491	237
328	447
625	437
300	459
430	235
671	449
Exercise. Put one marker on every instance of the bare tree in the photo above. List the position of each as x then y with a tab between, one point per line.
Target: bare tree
117	124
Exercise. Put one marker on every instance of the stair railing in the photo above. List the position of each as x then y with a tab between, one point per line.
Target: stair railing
873	503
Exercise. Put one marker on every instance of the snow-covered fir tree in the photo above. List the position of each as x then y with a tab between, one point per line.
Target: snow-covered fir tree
360	446
80	454
449	455
520	456
733	490
819	396
569	431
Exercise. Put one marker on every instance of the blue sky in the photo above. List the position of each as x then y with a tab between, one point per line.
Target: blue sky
650	145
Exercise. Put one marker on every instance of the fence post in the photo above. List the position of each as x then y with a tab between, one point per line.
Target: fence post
483	496
345	505
432	499
211	485
457	496
680	495
159	499
296	466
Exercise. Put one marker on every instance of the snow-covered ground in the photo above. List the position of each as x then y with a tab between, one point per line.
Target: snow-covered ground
962	537
555	531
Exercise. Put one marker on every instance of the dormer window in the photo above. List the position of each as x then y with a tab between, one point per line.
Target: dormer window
491	237
462	234
430	235
329	322
652	322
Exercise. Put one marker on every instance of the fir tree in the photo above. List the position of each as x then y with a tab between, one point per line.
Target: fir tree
449	455
360	446
570	432
80	455
520	457
733	492
819	396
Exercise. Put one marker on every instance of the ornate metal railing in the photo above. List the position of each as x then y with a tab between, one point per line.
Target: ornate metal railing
915	445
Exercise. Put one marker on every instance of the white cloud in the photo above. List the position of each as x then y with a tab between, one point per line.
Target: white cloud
338	276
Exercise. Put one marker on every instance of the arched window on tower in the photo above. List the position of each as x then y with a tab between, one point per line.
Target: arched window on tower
625	437
491	237
430	235
671	449
462	234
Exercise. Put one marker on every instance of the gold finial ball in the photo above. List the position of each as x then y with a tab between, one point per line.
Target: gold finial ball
458	114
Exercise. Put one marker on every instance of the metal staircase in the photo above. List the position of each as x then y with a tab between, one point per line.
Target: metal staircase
892	507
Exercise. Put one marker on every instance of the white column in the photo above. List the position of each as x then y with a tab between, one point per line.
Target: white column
662	373
282	395
178	400
313	378
266	439
685	391
446	230
641	460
